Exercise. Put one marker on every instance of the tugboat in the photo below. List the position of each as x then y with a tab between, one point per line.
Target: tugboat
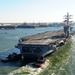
40	61
11	57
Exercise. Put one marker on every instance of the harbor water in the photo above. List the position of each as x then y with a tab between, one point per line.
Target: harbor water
9	38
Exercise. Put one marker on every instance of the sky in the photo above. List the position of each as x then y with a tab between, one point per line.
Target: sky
35	10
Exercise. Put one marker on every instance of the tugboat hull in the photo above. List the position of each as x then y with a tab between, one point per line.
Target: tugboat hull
16	57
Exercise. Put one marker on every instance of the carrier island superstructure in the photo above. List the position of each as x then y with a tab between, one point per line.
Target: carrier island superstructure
43	44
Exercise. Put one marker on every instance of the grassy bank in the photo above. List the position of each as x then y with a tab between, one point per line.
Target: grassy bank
58	59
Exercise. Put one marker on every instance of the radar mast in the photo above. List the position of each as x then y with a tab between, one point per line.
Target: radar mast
67	24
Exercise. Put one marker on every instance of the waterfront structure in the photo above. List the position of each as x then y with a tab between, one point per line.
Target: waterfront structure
7	27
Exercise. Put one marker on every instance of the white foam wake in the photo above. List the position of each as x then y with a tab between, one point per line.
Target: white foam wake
30	70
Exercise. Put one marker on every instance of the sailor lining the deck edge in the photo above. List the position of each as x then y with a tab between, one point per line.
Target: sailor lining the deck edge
20	40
